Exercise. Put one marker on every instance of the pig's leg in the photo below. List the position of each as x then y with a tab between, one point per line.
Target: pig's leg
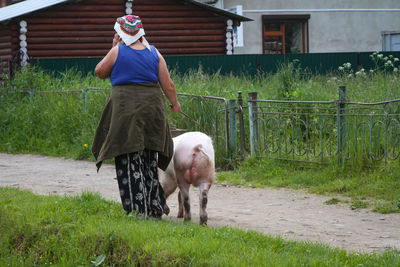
180	211
203	202
169	185
184	190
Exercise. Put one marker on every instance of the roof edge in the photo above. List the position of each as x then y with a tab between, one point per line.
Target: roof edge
25	7
29	6
219	11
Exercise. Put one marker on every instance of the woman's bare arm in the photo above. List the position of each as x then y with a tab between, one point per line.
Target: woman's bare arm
104	67
167	84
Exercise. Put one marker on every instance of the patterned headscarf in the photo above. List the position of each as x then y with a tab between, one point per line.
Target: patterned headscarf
130	29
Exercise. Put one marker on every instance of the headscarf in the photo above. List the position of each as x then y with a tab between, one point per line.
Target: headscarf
130	29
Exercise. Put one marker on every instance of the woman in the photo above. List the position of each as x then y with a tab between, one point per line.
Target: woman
133	128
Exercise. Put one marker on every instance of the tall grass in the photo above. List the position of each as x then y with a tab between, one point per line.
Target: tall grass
59	124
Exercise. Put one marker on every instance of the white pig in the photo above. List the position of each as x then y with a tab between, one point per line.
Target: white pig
192	164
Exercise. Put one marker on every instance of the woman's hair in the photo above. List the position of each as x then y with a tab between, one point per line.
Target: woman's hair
121	42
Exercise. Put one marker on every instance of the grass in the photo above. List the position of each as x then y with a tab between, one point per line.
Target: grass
75	231
60	125
378	189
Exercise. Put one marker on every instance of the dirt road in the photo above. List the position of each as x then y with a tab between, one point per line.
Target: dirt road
288	213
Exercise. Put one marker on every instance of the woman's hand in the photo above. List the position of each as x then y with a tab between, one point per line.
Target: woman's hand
176	107
116	39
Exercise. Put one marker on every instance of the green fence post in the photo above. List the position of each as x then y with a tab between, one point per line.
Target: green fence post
341	124
386	136
253	122
232	128
241	124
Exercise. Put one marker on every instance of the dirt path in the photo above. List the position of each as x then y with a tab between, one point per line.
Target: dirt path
288	213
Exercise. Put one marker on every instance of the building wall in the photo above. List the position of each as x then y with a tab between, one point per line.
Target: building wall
329	31
86	28
8	47
75	29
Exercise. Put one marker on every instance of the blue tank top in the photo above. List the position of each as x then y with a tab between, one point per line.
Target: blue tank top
135	66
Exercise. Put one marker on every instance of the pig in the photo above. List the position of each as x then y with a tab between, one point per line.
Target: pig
192	164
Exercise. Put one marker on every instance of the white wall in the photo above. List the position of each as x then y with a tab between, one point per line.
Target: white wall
348	30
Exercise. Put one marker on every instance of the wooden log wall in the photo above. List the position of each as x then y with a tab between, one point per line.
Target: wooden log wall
8	45
85	28
176	28
74	29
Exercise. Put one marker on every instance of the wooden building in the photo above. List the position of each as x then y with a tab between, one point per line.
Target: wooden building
84	28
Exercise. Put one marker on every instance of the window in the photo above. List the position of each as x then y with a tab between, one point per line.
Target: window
285	34
390	41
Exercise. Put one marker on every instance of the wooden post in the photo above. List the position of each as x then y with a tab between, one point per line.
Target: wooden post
232	128
253	122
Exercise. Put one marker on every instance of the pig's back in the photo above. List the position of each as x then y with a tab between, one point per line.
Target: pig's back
187	142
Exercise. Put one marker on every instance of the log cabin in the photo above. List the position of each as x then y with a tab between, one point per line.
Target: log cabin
84	28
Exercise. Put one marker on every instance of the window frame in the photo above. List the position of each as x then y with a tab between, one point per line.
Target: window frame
282	19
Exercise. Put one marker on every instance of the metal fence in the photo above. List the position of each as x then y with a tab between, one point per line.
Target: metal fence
208	114
316	132
325	131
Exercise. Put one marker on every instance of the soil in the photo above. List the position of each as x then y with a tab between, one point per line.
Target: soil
291	214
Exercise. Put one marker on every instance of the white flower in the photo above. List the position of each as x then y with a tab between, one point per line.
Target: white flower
396	59
341	68
395	69
380	56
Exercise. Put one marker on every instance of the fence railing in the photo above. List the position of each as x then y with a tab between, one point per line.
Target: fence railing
318	132
322	131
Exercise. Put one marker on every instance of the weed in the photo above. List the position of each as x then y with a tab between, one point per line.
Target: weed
332	201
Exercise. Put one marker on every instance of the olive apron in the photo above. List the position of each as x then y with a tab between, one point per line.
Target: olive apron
133	120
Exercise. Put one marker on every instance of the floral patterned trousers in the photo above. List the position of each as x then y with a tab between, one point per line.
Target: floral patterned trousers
138	183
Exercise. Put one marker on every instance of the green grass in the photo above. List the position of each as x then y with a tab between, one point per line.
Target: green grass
378	189
60	125
74	231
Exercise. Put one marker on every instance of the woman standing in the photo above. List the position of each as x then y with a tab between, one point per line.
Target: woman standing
133	128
